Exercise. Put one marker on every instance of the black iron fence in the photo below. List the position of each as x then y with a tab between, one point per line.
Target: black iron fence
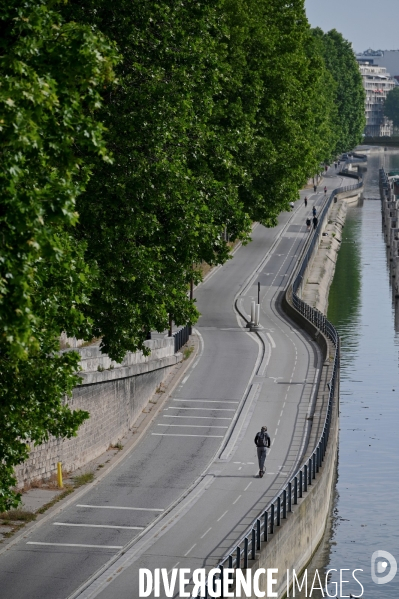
181	336
272	517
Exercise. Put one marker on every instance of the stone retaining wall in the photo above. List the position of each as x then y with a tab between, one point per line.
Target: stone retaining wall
115	398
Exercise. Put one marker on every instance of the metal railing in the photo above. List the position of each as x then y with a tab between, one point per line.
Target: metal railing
276	511
181	336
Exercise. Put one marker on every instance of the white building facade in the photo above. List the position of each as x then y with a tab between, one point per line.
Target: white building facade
377	83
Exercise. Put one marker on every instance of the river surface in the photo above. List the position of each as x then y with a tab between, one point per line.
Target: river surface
365	514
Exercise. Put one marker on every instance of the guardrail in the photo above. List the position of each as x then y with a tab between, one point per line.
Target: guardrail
181	336
276	510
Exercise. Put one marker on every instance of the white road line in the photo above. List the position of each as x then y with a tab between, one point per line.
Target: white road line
235	501
278	423
206	400
176	435
117	507
247	487
98	526
184	380
250	463
222	516
276	432
281	413
272	343
193	425
185	555
240	468
205	533
202	417
75	545
175	566
203	409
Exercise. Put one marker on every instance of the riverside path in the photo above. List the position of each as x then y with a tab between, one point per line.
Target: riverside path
190	488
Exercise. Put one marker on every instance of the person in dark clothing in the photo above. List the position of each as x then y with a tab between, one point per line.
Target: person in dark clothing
325	189
315	222
314	210
315	188
306	202
308	221
262	441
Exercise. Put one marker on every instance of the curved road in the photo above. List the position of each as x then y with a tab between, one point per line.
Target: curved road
201	441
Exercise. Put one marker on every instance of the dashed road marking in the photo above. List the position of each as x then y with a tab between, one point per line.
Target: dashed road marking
75	545
118	507
98	526
222	516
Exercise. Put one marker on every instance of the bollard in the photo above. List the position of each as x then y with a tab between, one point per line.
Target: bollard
265	529
296	490
245	553
300	483
310	471
278	510
257	315
253	548
253	311
258	534
305	478
59	475
290	497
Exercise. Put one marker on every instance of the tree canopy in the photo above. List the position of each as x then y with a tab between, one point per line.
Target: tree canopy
136	138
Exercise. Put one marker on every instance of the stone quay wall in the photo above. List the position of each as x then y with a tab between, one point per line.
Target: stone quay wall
115	395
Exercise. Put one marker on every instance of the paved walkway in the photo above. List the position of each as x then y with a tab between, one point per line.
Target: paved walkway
190	488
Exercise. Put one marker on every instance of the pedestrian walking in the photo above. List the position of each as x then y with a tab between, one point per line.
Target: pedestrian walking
314	211
315	188
335	164
306	201
262	441
325	190
315	222
308	221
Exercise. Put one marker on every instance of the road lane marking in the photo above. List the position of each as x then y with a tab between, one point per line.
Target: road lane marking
222	516
202	417
278	423
205	533
177	435
203	409
272	343
75	545
98	526
206	400
117	507
240	468
185	555
184	380
247	487
235	501
193	425
175	566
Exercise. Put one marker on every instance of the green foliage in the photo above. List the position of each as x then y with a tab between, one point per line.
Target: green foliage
51	74
391	107
220	112
348	95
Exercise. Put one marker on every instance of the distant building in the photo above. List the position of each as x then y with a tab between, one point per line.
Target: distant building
377	82
382	58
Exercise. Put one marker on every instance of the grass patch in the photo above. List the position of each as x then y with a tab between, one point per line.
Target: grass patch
17	515
83	479
117	446
187	351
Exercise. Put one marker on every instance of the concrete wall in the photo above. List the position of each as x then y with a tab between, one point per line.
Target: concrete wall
114	397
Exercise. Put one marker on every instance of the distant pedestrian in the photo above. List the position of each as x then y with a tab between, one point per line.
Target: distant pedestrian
326	168
335	164
314	211
308	221
315	222
306	202
262	441
325	190
315	188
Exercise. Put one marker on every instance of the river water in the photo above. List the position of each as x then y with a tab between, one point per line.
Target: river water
365	515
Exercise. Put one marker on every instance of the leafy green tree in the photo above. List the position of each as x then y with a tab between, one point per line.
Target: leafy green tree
51	73
391	106
349	94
